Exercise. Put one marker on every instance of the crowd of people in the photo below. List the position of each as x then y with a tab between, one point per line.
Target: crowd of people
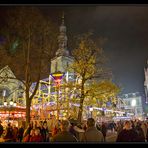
68	131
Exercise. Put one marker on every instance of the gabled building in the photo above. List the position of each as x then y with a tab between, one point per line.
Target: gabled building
10	87
12	102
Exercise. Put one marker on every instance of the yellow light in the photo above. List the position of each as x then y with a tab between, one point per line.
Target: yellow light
5	103
14	104
11	102
133	102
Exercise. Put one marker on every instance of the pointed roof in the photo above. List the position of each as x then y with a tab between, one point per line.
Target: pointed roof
63	15
62	40
6	71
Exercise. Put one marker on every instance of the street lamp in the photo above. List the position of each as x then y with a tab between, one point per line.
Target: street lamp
5	103
133	104
11	103
14	104
91	110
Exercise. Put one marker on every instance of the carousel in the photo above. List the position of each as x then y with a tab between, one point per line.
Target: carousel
12	113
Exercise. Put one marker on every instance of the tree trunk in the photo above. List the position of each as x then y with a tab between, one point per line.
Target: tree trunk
28	104
80	110
81	102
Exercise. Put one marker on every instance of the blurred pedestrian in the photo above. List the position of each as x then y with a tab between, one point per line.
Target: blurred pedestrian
128	134
64	135
37	136
8	137
20	133
92	134
140	133
104	130
1	128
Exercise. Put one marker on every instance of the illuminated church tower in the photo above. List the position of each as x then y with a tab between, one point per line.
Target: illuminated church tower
62	58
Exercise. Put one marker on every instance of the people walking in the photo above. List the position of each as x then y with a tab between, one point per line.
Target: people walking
8	137
140	133
64	135
45	132
20	133
128	134
37	136
92	134
104	130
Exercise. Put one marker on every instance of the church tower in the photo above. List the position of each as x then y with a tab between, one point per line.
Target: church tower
62	58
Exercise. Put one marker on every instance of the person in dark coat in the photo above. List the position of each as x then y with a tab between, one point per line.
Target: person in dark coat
1	129
64	135
104	130
127	134
92	134
119	127
147	134
9	134
141	137
20	134
45	132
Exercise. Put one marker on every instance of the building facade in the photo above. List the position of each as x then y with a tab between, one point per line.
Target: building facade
132	103
12	102
11	89
146	83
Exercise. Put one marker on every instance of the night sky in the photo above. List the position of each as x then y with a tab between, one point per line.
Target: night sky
124	27
126	30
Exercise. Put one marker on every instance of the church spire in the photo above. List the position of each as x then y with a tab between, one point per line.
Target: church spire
62	39
63	18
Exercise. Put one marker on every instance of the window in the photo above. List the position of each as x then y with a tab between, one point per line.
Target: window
4	92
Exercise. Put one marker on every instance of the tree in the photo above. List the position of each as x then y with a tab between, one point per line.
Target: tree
30	41
101	93
88	65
